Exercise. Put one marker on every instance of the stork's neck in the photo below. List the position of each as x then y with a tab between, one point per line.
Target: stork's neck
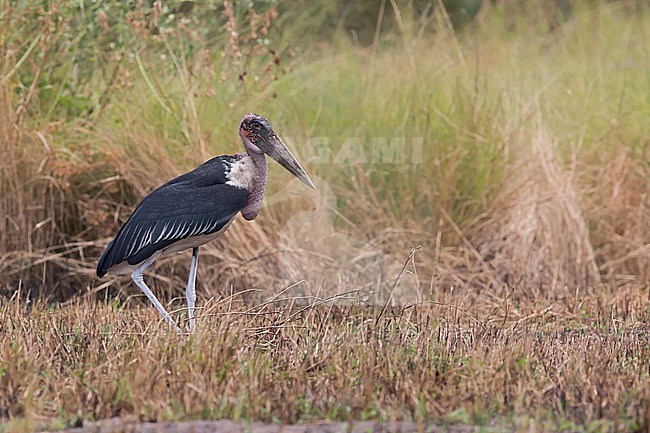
254	203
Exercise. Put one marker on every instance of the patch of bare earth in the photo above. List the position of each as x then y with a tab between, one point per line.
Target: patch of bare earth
118	425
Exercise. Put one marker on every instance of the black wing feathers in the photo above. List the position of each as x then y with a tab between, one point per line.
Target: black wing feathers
193	204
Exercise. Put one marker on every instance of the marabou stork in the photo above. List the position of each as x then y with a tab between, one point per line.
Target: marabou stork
194	208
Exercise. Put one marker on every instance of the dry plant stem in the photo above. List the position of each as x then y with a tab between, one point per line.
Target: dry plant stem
389	298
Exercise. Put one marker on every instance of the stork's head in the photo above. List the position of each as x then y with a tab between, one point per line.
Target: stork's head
258	137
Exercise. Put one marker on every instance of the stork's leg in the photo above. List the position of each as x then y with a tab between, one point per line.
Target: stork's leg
137	278
190	291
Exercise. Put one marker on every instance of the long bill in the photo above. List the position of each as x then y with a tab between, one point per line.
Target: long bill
277	150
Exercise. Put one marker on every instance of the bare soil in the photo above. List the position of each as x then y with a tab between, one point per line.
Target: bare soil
119	425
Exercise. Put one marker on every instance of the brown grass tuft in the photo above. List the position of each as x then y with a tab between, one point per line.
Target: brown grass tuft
620	218
535	235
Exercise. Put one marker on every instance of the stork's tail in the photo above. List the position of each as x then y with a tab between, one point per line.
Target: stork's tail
104	261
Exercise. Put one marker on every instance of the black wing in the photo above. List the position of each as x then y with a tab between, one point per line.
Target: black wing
190	205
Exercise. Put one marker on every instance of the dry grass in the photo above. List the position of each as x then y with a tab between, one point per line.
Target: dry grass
537	210
292	364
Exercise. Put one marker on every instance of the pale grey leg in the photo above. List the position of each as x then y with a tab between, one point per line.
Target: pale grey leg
190	292
136	276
